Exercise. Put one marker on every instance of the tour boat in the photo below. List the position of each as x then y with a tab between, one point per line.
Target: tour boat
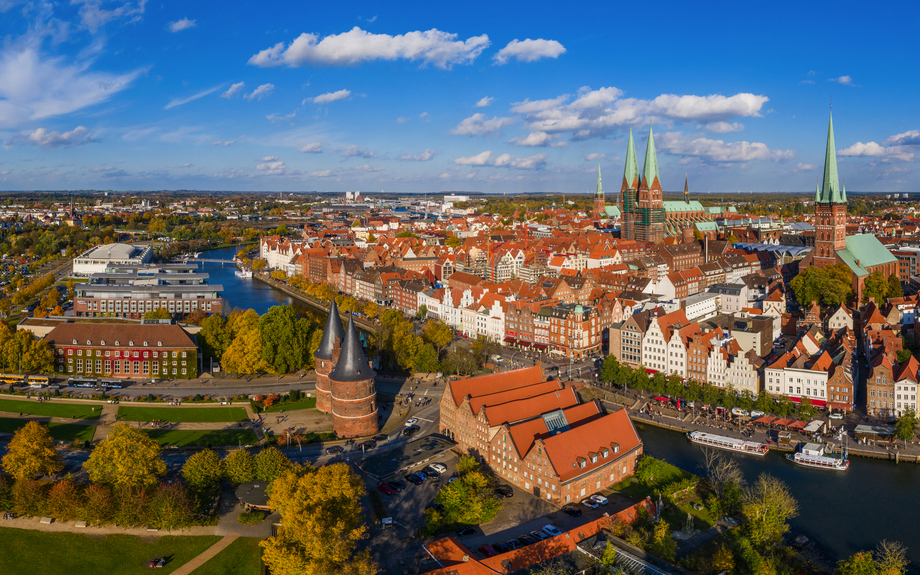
729	443
243	273
812	455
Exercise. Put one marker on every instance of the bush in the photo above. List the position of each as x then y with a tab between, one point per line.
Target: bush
251	517
171	507
98	505
29	498
131	507
6	494
64	501
256	406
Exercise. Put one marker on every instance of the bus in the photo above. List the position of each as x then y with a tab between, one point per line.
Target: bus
38	381
80	381
111	383
12	379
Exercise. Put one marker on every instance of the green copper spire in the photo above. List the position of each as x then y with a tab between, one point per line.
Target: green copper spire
817	191
631	172
600	190
830	192
843	191
650	169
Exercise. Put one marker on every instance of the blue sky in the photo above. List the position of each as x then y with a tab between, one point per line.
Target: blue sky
494	97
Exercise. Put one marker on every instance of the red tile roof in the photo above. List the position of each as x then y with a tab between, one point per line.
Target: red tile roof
566	449
531	406
495	382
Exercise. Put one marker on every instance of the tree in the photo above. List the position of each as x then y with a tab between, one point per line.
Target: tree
453	241
285	338
894	287
171	507
438	334
258	264
215	336
875	286
831	285
768	505
203	470
98	504
63	500
904	355
858	564
426	360
722	560
422	312
271	464
906	426
610	369
891	558
239	467
662	544
126	458
160	313
721	471
244	355
31	453
371	238
764	403
323	522
806	409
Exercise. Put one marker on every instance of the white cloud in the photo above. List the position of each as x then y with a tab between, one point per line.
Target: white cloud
707	108
909	138
357	46
845	80
227	142
717	150
724	127
478	125
860	149
503	161
278	118
354	151
33	87
804	167
263	91
54	139
269	159
234	89
94	16
321	173
314	148
368	168
595	156
272	167
181	25
423	115
331	97
529	50
530	107
423	157
886	154
402	120
179	101
484	102
539	139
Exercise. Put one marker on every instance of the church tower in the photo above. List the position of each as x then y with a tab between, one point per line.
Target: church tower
599	202
830	209
628	192
352	390
649	226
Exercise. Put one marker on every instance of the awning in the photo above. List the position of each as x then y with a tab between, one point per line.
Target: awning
815	402
524	343
840	406
659	398
539	346
796	425
765	419
782	422
651	371
510	340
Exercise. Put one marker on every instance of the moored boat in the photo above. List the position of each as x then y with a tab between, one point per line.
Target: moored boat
243	273
813	455
728	443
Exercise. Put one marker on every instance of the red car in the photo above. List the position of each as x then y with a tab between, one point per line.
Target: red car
386	489
487	550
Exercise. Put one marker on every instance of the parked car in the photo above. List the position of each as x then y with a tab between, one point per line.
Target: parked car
385	488
369	444
835	416
332	450
421	476
381	437
552	530
410	430
588	502
413	479
398	485
501	547
411	421
539	535
572	510
527	540
756	413
514	544
431	473
504	491
738	412
487	551
439	467
600	499
466	531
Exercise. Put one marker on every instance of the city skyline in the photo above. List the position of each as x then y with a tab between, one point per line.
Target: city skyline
510	98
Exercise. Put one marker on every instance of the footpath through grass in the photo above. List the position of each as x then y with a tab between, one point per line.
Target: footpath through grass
202	438
59	431
27	552
305	403
52	408
242	557
182	414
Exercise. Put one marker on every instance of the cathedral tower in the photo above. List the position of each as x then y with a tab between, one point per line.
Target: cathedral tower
830	209
628	192
599	202
649	221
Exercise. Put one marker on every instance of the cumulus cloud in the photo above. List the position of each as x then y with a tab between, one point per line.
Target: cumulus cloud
272	168
503	161
845	80
179	101
263	91
860	149
885	154
354	151
441	49
227	142
314	148
528	50
234	89
54	139
181	25
269	159
909	138
321	173
423	157
368	168
724	127
278	118
330	97
478	125
484	102
595	156
804	167
537	139
93	16
717	150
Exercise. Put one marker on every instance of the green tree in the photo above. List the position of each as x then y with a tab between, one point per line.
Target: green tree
904	355
203	470
215	336
239	467
891	558
894	287
171	507
438	334
858	564
831	285
126	458
160	313
806	409
285	338
764	402
906	426
662	544
244	355
31	453
426	361
875	286
610	369
422	312
271	464
768	506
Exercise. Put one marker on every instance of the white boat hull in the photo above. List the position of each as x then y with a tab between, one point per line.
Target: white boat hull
828	463
728	443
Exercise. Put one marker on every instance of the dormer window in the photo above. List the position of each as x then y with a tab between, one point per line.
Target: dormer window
145	344
616	448
594	458
160	343
116	342
606	452
131	342
102	342
75	342
582	462
89	342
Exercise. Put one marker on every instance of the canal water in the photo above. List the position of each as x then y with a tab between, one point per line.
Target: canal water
842	512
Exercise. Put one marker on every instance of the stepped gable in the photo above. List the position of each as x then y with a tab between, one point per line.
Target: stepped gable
331	332
352	365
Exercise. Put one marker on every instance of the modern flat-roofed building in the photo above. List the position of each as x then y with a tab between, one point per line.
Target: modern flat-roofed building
97	259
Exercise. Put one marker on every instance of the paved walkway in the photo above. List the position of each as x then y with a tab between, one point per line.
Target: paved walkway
208	553
35	524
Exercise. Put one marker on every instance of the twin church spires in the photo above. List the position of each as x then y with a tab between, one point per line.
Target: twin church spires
643	216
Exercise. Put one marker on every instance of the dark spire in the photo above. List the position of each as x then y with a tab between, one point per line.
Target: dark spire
352	364
687	188
332	330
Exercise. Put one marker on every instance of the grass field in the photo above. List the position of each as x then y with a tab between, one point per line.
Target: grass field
27	552
305	403
675	515
242	557
50	408
182	414
215	437
61	431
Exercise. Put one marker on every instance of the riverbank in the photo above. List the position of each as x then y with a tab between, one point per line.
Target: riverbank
312	303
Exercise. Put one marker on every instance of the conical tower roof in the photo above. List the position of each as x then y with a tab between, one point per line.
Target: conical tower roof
687	188
332	330
650	169
600	189
631	171
352	364
830	191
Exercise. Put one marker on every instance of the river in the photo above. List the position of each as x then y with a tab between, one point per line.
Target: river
842	512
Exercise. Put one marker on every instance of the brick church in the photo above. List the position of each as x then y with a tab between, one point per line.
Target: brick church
862	253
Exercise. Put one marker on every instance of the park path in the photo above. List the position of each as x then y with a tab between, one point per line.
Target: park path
207	554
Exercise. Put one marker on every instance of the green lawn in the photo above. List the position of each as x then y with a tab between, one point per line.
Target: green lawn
51	408
215	437
242	557
305	403
61	431
181	414
27	552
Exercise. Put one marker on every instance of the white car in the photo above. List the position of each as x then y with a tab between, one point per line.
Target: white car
411	421
551	530
737	411
600	499
588	502
835	416
756	413
439	467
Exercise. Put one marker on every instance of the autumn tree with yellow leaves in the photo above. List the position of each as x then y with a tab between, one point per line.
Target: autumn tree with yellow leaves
126	458
31	453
